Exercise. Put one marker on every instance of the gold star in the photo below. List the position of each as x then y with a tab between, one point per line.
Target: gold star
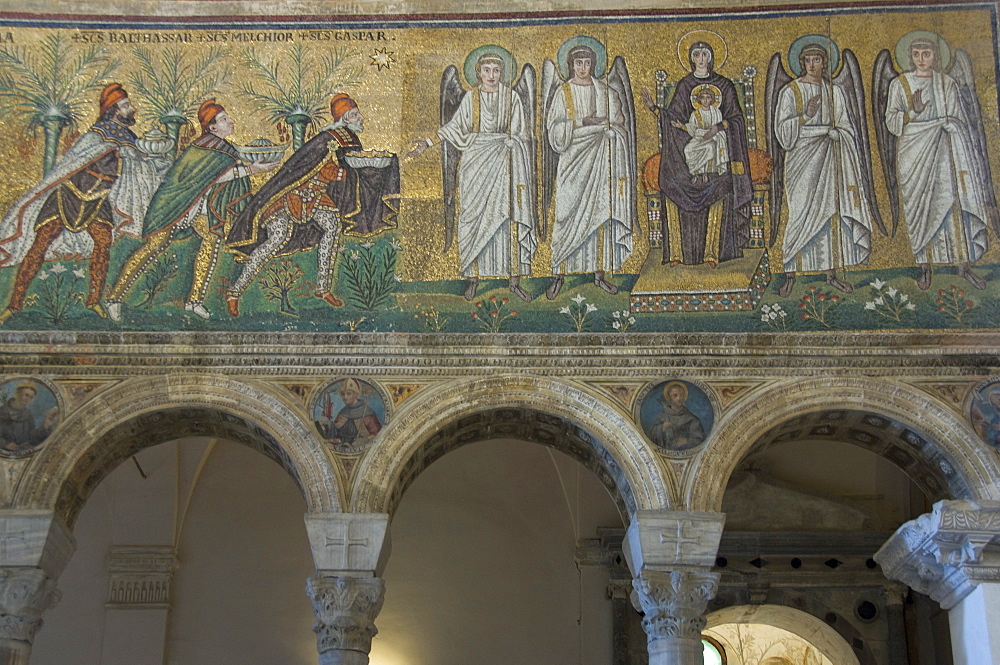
383	58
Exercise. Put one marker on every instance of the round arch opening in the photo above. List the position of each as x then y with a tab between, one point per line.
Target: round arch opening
776	635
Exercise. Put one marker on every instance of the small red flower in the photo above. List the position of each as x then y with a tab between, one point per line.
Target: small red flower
513	313
834	298
812	288
940	309
939	301
961	292
805	316
505	300
806	298
941	292
479	304
493	313
493	298
969	304
802	305
954	288
821	296
475	316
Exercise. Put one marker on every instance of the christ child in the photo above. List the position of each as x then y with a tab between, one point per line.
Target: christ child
708	150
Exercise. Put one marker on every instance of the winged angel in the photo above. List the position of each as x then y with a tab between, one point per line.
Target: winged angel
933	148
817	134
588	162
488	165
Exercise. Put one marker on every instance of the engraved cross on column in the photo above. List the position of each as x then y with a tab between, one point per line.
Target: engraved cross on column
679	540
344	543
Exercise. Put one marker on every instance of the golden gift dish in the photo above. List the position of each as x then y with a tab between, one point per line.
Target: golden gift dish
261	151
359	159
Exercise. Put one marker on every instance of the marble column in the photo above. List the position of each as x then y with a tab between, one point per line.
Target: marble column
34	548
950	554
671	555
350	551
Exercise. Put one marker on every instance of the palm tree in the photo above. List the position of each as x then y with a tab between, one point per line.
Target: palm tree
49	86
175	84
299	93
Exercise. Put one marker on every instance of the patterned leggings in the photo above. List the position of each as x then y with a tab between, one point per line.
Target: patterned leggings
45	235
279	231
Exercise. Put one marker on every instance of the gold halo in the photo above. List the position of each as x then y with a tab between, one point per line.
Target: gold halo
720	52
672	384
695	91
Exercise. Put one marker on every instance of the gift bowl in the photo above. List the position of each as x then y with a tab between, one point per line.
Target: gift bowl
359	159
261	151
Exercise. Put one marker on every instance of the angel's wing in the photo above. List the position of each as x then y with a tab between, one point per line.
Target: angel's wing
451	98
883	74
550	158
849	81
618	81
962	72
777	78
526	88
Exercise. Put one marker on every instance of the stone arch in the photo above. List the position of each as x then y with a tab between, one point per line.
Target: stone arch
142	412
824	637
559	414
937	439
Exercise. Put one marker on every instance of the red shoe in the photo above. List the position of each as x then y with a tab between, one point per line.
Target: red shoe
328	298
233	305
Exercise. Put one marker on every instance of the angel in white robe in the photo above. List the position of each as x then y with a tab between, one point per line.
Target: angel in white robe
491	130
825	168
935	142
590	130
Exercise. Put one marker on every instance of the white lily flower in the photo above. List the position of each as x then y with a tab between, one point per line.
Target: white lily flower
396	245
58	269
631	320
616	325
766	308
904	298
616	314
880	300
764	318
783	315
892	292
355	256
772	315
564	310
398	277
870	305
591	308
877	284
578	298
80	273
369	244
43	275
910	306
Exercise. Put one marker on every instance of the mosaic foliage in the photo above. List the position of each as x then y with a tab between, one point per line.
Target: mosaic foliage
615	174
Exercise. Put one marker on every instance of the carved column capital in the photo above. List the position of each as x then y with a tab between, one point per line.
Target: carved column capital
24	594
673	602
940	554
345	609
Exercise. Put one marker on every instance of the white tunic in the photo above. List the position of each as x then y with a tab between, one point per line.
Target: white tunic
938	175
711	156
829	221
494	173
592	229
